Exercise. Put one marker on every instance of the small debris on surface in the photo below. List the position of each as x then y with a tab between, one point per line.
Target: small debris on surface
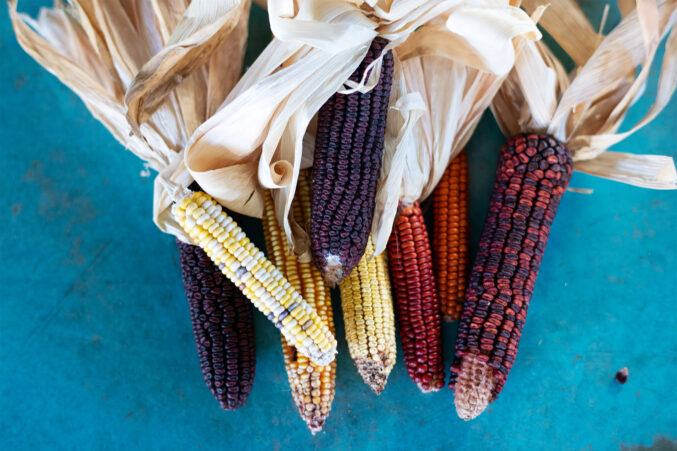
622	376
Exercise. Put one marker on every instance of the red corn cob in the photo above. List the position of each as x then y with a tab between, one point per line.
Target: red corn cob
418	307
348	154
223	325
451	231
533	173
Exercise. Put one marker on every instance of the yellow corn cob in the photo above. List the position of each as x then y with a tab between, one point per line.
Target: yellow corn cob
226	244
312	386
369	319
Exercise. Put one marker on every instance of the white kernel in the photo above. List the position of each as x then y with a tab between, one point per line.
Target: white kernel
202	219
250	264
267	300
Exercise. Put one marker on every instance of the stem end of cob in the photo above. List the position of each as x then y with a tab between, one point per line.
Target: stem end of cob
473	388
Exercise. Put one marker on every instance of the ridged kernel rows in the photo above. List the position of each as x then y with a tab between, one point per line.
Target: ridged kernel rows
533	173
347	162
418	307
229	248
369	319
223	325
313	386
452	234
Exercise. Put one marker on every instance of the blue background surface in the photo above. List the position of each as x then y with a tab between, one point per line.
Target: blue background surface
96	348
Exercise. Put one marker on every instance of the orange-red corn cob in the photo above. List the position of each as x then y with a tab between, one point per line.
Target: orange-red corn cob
418	307
533	173
451	231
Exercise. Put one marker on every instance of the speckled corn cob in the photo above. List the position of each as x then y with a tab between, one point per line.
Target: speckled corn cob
369	319
417	304
312	386
348	154
533	173
223	325
452	233
229	248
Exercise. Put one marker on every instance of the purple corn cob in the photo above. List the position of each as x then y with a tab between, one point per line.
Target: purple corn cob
223	324
348	154
533	173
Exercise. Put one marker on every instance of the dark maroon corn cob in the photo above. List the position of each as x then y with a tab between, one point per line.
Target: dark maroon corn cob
418	305
347	162
223	324
533	173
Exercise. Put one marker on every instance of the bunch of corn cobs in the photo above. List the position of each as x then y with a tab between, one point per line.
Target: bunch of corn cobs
336	199
225	274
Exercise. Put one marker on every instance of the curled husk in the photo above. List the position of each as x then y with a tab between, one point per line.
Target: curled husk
260	137
585	109
177	58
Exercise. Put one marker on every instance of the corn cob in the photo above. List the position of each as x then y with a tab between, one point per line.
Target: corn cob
312	386
348	154
418	307
451	231
369	319
223	325
226	244
533	173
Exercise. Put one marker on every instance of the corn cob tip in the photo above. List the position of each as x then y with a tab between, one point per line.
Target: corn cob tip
332	271
315	425
229	407
474	388
375	372
431	385
448	318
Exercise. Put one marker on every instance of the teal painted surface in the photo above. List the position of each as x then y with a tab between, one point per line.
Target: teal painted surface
96	349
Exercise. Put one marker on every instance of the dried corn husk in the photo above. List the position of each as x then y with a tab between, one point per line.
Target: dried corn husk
444	110
586	109
99	47
257	138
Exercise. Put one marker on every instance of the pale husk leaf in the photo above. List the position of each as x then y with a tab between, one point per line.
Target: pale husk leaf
257	136
586	110
96	48
432	117
203	28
